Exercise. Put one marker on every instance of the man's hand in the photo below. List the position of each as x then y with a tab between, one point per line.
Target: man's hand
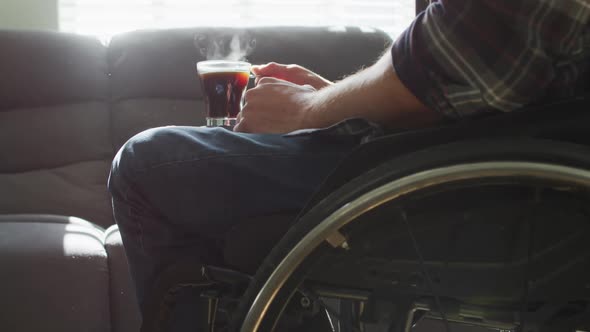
290	73
276	106
375	93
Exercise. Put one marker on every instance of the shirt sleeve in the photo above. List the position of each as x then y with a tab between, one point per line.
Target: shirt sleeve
465	57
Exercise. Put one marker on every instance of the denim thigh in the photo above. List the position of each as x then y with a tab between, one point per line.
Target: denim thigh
177	190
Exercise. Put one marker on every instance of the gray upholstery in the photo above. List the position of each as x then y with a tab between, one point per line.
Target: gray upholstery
55	146
124	308
78	189
40	69
67	104
54	275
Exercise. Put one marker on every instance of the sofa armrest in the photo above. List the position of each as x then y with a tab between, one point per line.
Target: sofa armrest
53	275
125	315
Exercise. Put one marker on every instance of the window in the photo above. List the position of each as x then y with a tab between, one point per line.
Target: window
105	18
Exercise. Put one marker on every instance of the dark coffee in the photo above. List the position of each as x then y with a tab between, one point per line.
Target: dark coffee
223	92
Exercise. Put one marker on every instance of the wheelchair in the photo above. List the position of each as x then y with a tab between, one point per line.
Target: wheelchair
478	226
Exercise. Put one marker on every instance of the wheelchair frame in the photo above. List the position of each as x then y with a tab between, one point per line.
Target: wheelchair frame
328	229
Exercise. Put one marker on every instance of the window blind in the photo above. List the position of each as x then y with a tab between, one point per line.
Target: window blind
104	18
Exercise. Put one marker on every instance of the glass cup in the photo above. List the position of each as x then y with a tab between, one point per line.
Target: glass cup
223	83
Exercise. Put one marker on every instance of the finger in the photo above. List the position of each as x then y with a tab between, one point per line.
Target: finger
241	127
250	95
309	87
277	79
258	78
270	80
257	69
267	69
238	128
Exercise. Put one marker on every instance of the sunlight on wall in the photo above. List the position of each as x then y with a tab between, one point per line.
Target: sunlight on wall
105	18
28	14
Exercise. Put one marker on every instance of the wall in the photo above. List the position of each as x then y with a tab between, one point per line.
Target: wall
28	14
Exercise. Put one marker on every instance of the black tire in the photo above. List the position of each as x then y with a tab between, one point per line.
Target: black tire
523	150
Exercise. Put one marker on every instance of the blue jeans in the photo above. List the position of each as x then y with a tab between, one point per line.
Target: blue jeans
177	190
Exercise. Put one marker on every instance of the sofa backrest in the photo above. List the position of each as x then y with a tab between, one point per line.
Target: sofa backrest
55	143
153	73
68	103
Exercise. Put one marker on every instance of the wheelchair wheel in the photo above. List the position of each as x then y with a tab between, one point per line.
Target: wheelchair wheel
489	233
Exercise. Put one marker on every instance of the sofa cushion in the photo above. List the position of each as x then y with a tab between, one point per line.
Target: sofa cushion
53	136
77	189
162	63
136	115
125	314
55	124
47	68
54	275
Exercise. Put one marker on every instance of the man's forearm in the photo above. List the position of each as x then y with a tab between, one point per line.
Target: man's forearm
376	94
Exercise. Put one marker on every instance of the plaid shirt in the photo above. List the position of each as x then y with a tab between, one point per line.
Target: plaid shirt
465	57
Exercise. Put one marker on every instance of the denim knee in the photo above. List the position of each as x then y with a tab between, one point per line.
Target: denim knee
126	161
132	156
147	149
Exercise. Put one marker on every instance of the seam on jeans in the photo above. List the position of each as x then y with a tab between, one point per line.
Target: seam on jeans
210	157
134	217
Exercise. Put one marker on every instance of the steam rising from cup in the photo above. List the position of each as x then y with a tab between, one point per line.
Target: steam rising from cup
225	47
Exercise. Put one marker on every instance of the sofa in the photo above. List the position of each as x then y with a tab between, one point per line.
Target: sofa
67	104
